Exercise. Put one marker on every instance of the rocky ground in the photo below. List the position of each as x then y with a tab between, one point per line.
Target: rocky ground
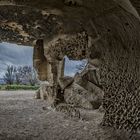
24	118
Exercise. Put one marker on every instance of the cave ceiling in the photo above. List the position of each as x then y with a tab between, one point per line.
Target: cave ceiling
25	21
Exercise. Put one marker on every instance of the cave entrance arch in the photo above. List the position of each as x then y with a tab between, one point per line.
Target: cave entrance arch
16	65
74	66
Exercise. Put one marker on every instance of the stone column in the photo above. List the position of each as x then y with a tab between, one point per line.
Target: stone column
61	68
39	60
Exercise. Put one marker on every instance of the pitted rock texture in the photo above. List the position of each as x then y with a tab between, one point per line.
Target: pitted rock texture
73	46
117	50
29	21
79	92
24	25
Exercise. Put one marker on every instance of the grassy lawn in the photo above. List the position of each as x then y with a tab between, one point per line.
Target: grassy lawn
18	87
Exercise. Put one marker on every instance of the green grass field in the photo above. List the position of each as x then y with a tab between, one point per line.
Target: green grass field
18	87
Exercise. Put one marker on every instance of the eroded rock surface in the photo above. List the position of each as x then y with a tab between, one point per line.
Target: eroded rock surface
84	92
81	91
113	47
104	32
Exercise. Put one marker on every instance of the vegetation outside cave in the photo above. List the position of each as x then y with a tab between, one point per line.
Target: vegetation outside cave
16	68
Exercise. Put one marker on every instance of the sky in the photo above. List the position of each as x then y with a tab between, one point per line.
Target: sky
71	66
12	54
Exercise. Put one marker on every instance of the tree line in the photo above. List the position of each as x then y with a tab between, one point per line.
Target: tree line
20	75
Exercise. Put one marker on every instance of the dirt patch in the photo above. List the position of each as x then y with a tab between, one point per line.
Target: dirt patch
24	118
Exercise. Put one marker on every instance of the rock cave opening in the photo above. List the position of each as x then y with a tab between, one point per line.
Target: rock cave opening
74	66
16	65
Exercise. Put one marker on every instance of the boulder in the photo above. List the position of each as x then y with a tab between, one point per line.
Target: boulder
65	82
84	92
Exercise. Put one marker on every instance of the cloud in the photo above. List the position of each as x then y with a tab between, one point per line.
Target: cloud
12	54
70	66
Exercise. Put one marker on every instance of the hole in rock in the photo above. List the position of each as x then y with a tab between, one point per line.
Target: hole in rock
73	66
108	30
127	24
70	3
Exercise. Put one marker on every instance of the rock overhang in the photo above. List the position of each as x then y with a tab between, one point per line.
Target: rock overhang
23	22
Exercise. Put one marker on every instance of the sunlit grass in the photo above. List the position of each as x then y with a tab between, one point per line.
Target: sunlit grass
18	87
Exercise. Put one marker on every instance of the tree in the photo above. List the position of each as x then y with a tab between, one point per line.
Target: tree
9	75
18	79
20	75
28	75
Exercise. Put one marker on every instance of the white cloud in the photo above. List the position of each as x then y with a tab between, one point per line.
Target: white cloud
12	54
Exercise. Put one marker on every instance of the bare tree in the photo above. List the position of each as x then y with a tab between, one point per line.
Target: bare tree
18	78
20	75
28	75
9	75
33	77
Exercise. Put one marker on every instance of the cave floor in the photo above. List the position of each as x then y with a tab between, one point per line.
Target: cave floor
24	118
